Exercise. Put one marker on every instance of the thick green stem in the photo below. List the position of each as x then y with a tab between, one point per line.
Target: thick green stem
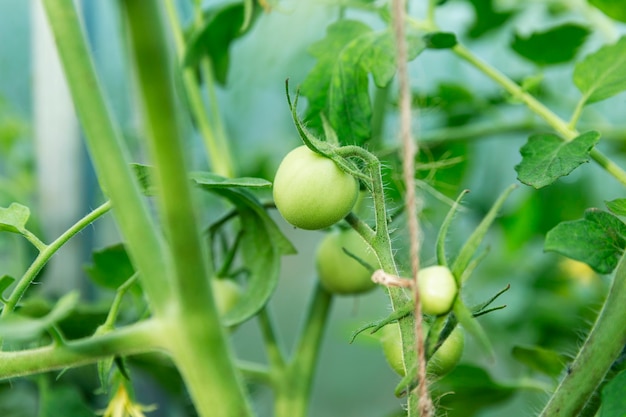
566	130
274	351
602	347
198	341
45	255
109	153
293	389
137	338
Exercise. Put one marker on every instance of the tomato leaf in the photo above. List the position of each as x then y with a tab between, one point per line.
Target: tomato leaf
486	18
613	8
212	180
220	29
546	157
614	397
20	328
339	82
542	360
62	400
5	282
617	206
262	245
601	74
473	327
468	389
13	219
111	267
440	40
553	46
599	230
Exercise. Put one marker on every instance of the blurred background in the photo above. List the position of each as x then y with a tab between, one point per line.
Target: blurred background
551	303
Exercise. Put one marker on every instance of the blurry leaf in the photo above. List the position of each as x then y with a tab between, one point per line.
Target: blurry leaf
598	239
615	9
440	40
339	82
546	157
5	282
144	175
486	18
18	399
262	245
111	267
539	359
467	390
554	46
601	74
617	206
221	27
614	397
473	327
210	180
21	328
13	219
63	400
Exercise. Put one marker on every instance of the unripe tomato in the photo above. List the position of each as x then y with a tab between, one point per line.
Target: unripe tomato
442	362
437	288
311	192
226	293
340	273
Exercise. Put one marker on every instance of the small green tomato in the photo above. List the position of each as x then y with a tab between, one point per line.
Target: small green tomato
311	192
437	288
340	273
441	363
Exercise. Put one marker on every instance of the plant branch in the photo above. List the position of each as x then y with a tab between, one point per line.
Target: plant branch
142	337
602	347
47	253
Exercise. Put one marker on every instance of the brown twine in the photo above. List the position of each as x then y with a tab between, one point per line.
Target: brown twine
409	150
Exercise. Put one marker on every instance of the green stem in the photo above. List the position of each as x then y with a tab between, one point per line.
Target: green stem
578	110
109	323
274	352
45	255
198	340
214	140
109	153
558	124
137	338
34	240
602	347
294	388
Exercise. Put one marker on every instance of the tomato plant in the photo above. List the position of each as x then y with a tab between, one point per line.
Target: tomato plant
311	192
109	257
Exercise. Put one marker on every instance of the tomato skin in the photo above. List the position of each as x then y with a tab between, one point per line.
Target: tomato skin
311	192
226	293
444	360
437	288
338	272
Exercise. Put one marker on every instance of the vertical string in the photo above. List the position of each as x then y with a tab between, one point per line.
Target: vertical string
409	150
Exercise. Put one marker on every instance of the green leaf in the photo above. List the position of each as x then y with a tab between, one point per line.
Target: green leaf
473	327
440	40
20	328
617	206
262	246
598	239
614	397
111	267
546	157
13	219
486	18
601	74
539	359
221	27
467	390
615	9
63	400
339	82
5	282
553	46
209	180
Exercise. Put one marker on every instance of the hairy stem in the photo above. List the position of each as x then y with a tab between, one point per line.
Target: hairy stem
602	347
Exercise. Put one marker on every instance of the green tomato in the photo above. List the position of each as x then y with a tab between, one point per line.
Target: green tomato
226	293
340	273
442	362
311	192
437	288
